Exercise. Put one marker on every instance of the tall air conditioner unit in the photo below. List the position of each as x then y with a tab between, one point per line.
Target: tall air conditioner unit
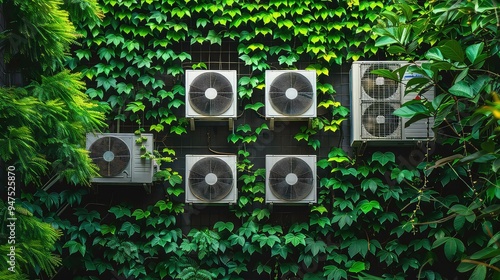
211	179
120	157
291	179
373	101
290	95
211	95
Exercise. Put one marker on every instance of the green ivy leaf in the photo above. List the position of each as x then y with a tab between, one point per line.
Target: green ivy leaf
255	106
261	213
358	246
108	229
176	103
221	226
281	250
244	128
383	158
233	137
315	246
178	130
140	214
237	239
120	211
75	247
319	208
106	82
130	228
342	219
214	38
367	206
295	239
357	267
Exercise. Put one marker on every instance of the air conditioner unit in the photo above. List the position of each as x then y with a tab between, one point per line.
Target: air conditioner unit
211	179
120	159
211	95
291	179
373	101
290	95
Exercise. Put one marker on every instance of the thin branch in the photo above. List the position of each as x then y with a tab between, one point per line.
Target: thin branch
437	221
481	263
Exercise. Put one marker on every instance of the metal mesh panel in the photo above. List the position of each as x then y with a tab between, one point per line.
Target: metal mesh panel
374	87
377	120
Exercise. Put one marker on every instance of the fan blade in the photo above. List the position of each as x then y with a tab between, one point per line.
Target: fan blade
376	86
279	185
301	83
99	147
111	155
280	169
215	166
211	106
379	121
284	191
291	106
300	190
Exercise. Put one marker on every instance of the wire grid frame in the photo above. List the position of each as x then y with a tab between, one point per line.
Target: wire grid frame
375	87
216	57
379	122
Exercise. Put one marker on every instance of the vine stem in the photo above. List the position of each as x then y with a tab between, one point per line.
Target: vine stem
481	263
422	267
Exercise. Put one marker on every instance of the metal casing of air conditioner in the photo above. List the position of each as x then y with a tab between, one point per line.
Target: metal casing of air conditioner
374	98
290	94
120	159
283	186
208	90
211	179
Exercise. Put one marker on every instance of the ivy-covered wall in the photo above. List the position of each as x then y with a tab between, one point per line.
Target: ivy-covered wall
364	224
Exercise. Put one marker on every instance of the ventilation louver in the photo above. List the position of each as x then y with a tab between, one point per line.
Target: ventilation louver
373	102
211	179
290	179
118	157
290	94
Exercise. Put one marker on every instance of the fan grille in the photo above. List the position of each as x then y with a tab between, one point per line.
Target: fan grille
211	94
210	179
291	179
378	121
291	94
111	155
376	87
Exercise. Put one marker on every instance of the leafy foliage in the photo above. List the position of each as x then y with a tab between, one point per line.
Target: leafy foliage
43	121
379	216
458	64
35	246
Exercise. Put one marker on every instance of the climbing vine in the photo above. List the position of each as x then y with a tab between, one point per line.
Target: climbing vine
375	218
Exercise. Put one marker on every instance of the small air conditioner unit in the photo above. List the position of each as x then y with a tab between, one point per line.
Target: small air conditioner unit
290	95
120	159
291	179
373	101
211	179
211	95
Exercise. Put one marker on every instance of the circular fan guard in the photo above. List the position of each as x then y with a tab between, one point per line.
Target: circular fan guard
378	87
210	179
211	94
291	94
111	155
291	179
379	121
